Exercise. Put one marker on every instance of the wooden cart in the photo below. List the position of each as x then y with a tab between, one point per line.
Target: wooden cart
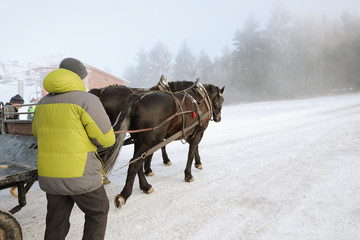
18	168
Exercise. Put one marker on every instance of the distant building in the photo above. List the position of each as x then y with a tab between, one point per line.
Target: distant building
96	78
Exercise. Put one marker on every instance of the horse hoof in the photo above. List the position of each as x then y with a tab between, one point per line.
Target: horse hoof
106	181
119	201
151	190
199	166
13	192
189	179
168	163
150	174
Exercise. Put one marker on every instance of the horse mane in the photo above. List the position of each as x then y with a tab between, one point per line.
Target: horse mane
180	85
175	86
211	89
95	91
98	91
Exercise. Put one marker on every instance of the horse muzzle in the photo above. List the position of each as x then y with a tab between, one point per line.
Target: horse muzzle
217	118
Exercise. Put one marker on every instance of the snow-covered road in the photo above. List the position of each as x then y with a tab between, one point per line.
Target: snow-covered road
272	170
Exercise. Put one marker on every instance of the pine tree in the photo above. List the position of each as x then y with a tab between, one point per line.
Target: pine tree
159	62
185	65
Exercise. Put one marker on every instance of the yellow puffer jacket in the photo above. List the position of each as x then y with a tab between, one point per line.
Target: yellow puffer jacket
70	124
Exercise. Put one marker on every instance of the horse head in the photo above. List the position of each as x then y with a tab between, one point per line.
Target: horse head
217	99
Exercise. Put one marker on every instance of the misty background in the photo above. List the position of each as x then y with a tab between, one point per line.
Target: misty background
260	50
286	58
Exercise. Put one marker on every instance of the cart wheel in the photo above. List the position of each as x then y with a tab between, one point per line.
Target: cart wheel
9	227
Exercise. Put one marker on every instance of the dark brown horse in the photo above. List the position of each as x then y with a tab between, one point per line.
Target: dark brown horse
112	97
165	114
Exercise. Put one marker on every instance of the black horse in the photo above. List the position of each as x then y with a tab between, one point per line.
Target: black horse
112	97
162	115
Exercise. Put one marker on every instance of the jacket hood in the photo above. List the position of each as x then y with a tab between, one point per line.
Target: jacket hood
63	80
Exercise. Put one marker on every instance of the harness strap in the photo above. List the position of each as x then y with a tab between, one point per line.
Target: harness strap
160	145
170	139
117	119
157	126
181	109
132	91
199	112
200	89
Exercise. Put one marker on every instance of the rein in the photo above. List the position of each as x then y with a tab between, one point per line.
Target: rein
156	127
161	144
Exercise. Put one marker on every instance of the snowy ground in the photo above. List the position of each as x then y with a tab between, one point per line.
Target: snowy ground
272	170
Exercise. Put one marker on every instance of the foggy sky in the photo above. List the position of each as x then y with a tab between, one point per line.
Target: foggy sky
108	34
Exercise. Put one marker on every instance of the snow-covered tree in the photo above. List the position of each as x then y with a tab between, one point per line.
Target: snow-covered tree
159	62
185	64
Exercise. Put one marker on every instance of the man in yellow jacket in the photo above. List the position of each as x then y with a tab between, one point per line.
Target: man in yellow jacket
70	124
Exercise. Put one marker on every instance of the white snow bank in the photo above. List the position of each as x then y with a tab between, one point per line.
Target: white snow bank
272	170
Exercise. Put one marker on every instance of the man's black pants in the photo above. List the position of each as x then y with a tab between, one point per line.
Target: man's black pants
95	205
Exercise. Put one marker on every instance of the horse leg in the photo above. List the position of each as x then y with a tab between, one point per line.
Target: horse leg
133	169
121	198
165	157
144	185
193	150
198	163
188	176
147	166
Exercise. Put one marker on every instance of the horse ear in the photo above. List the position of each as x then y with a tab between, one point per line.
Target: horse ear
197	80
222	90
162	77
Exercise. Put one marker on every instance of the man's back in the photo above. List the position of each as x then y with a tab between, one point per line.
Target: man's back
70	126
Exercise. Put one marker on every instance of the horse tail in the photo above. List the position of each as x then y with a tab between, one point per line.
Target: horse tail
110	154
